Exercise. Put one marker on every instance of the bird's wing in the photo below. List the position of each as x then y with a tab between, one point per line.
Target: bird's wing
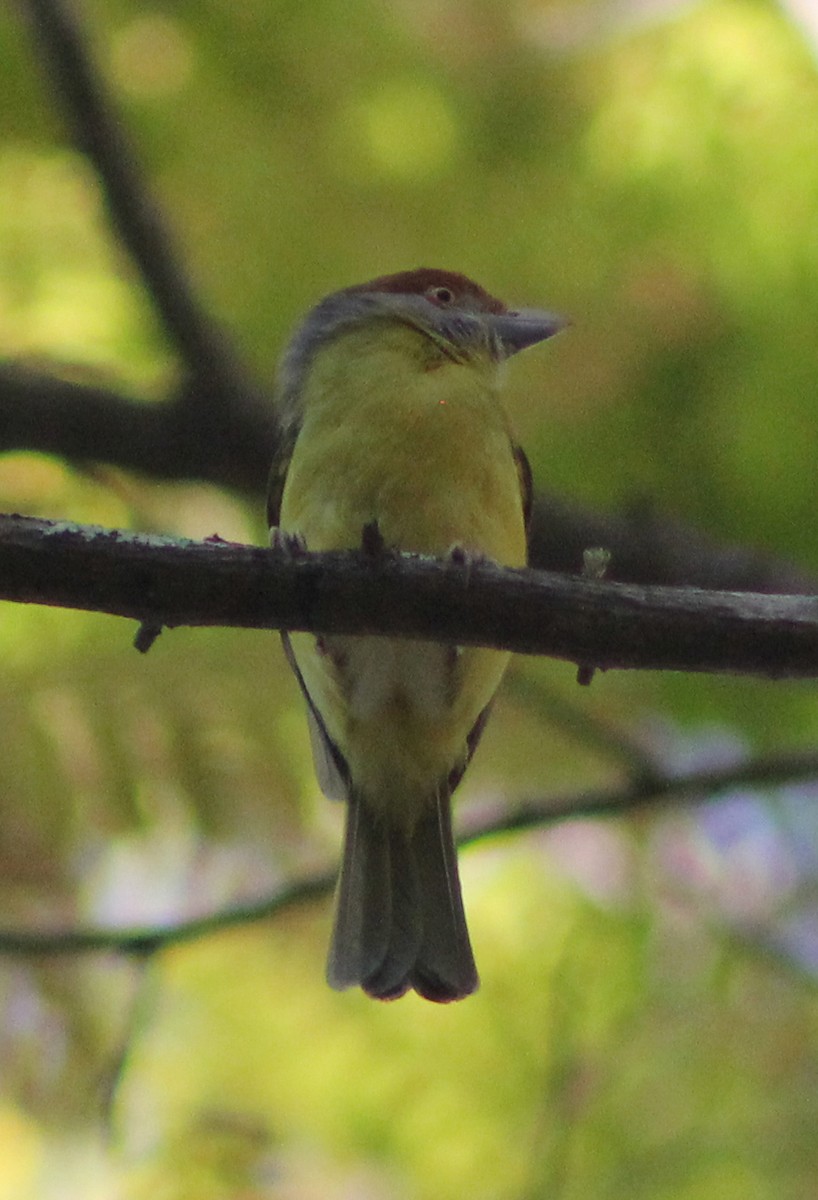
278	474
330	765
526	482
448	785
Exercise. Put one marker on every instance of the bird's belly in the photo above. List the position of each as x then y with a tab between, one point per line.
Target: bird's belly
401	710
380	674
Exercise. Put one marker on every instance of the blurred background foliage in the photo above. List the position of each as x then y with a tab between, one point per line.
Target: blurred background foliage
647	1022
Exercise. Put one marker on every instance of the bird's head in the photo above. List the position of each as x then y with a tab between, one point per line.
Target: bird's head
462	320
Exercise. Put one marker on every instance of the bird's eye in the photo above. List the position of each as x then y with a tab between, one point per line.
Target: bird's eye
441	295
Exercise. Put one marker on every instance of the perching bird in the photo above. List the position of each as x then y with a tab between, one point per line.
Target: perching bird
391	419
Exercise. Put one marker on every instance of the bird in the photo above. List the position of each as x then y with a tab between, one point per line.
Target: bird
390	419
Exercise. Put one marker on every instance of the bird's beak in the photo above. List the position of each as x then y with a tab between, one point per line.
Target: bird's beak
519	330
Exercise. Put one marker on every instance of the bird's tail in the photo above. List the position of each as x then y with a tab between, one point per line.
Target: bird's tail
399	920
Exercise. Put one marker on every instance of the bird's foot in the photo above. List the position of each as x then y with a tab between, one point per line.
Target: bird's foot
461	556
291	544
373	544
463	559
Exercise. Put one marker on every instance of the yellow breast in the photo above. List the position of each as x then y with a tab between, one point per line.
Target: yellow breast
395	432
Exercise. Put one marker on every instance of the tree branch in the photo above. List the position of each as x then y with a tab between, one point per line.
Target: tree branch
142	941
221	384
90	112
162	581
168	440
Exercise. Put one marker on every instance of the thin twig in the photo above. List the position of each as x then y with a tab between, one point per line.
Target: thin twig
100	135
705	785
145	940
773	770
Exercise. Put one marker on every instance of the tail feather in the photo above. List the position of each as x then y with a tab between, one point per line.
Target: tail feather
392	978
360	938
445	968
399	920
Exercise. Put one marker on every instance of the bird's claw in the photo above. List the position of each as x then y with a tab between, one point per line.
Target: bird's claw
291	544
373	544
461	556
